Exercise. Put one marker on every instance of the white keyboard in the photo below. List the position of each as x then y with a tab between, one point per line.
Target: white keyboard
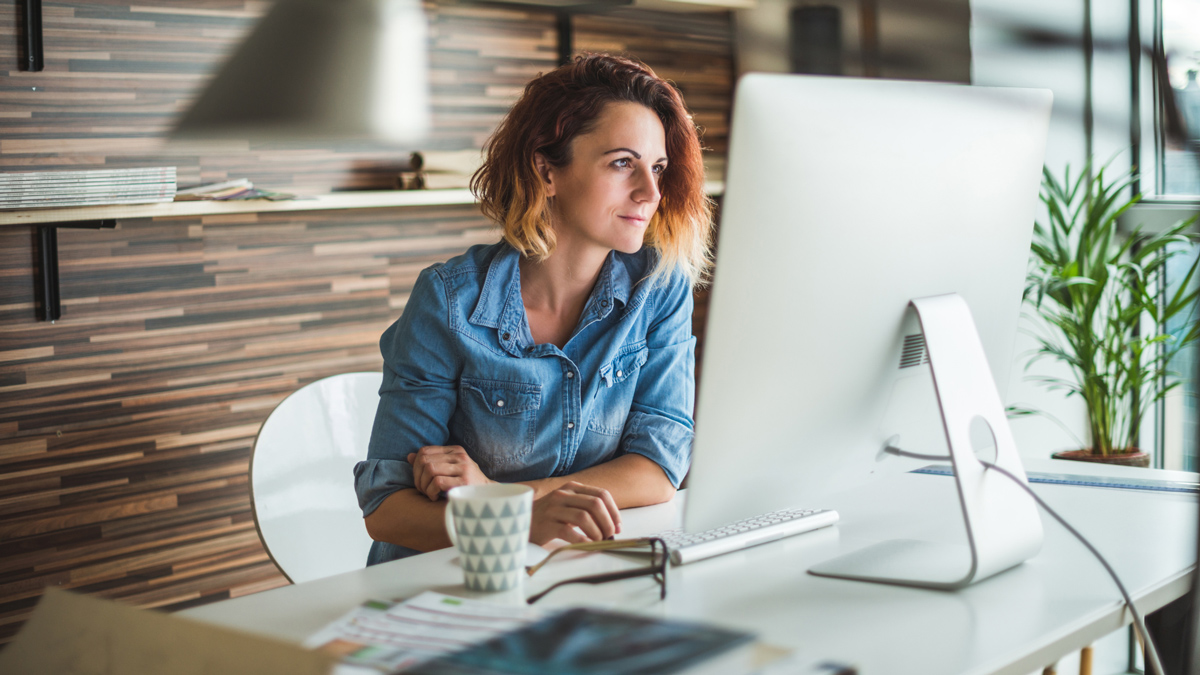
686	548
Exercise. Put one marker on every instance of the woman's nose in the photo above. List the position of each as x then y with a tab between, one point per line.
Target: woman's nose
646	189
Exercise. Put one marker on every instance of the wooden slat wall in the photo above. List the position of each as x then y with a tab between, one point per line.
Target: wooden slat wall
691	50
129	424
125	428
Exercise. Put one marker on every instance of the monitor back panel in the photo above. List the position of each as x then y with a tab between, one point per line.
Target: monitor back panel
845	199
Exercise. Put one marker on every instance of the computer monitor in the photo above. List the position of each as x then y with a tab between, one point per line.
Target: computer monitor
844	200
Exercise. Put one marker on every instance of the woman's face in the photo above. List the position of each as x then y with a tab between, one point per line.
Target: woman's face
605	197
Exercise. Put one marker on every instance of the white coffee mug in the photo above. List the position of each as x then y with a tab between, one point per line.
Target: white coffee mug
489	524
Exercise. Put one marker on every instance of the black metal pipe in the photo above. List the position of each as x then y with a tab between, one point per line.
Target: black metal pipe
566	38
47	275
34	60
48	259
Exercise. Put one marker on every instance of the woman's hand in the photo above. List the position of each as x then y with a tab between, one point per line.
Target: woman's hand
575	512
437	468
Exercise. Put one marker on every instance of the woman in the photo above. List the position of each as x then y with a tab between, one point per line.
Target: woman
561	357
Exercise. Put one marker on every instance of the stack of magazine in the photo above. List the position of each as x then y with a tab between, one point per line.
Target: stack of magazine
436	634
46	189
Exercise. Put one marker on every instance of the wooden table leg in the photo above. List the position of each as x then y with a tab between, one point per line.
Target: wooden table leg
1085	661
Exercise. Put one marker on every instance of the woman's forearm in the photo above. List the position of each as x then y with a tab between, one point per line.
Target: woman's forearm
408	518
632	480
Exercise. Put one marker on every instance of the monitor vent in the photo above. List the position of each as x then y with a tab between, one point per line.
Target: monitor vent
914	353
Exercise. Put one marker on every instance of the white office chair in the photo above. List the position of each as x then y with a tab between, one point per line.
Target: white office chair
301	480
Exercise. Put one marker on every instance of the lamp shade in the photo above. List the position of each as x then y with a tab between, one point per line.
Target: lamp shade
322	69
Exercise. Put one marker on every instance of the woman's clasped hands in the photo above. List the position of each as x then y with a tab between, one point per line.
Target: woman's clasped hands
437	468
573	512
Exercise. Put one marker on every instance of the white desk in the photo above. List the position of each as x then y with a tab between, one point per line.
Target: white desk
1016	622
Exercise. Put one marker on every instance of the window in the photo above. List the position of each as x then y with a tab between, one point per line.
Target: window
1176	191
1180	162
1179	408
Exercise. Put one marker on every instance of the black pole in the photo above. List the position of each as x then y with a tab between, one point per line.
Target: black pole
48	259
566	38
34	60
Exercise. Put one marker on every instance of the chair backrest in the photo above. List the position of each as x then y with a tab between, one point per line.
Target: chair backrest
301	479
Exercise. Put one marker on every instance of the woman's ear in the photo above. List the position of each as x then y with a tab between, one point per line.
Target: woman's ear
544	171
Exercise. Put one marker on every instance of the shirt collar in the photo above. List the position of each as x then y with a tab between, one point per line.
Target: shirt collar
500	305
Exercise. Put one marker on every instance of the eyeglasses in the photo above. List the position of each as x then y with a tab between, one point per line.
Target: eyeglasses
657	568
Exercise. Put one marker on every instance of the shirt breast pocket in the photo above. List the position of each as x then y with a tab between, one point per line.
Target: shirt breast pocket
614	391
499	421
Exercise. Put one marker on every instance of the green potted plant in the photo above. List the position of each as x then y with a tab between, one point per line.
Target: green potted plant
1095	290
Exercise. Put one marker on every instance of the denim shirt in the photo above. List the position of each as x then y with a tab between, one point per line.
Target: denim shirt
461	368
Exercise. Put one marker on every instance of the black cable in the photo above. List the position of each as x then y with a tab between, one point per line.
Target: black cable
1139	624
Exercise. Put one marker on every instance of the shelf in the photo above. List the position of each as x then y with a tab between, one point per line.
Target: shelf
337	200
48	221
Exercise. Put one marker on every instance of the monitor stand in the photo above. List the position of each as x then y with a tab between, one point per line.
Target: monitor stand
1002	523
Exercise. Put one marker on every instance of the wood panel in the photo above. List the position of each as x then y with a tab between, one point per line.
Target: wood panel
695	51
126	427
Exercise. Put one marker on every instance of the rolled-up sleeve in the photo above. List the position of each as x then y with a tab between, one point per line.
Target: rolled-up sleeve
418	395
660	426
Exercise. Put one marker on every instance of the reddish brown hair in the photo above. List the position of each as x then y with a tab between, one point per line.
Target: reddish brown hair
558	106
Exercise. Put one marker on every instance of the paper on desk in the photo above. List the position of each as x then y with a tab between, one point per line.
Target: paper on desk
391	636
71	634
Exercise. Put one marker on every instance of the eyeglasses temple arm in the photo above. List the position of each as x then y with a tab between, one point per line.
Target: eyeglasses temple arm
596	579
607	545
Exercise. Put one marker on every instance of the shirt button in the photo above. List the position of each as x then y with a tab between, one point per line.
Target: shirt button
620	374
506	337
570	425
570	375
500	403
604	303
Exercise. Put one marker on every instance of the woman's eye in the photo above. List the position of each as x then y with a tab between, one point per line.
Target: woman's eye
623	163
659	168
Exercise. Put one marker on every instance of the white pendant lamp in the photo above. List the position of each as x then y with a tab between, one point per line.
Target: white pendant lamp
322	70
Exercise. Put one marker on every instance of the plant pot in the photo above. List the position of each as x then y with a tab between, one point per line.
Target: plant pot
1137	458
